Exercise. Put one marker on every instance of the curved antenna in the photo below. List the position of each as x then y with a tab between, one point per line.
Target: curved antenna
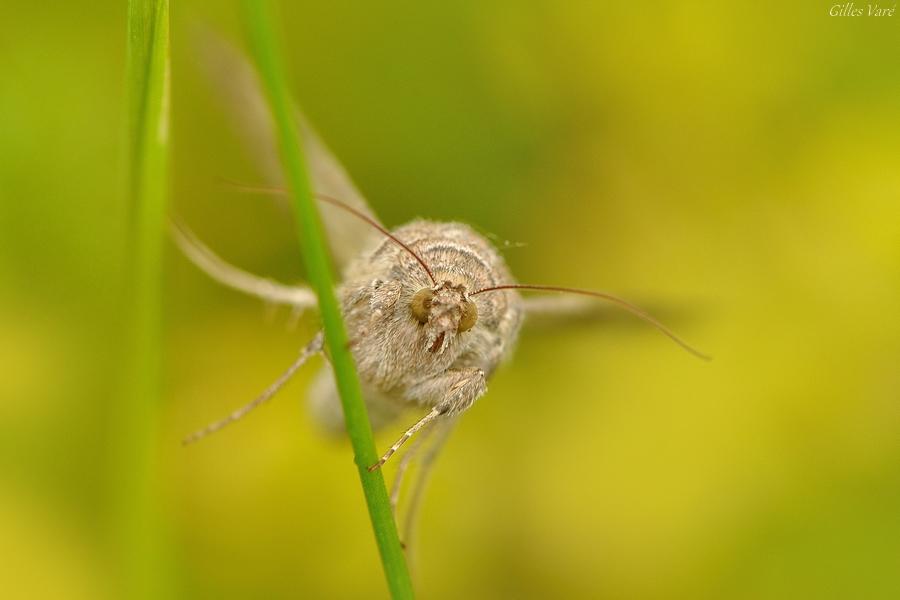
373	223
356	213
603	296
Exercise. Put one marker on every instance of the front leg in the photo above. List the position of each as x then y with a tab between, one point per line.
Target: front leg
448	394
451	392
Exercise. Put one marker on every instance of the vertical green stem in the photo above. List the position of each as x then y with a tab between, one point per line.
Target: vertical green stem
265	47
137	516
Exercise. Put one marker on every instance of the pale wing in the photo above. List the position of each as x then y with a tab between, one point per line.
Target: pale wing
560	307
300	297
554	311
237	85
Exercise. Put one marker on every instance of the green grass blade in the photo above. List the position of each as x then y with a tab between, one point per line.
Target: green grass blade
265	47
137	517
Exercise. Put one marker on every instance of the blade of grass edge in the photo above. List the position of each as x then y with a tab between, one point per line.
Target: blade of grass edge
265	47
139	541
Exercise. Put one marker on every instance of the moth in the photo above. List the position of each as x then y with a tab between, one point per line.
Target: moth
431	308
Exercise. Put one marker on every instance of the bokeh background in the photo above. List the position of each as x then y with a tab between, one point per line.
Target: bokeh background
734	166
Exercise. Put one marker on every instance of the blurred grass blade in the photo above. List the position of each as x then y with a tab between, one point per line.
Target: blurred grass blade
137	518
265	47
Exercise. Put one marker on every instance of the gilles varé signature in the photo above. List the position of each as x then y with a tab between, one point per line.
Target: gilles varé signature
850	9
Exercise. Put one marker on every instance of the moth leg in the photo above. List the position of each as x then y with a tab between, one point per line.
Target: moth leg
450	393
431	416
311	349
443	428
405	462
301	298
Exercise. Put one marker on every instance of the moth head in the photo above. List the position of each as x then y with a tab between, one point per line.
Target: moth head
445	311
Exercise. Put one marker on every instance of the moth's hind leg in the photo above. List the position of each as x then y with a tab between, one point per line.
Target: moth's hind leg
311	349
408	457
441	431
301	298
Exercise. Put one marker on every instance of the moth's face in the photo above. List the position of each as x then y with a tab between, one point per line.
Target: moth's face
445	311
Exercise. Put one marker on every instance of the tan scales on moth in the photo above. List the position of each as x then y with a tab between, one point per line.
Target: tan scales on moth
431	308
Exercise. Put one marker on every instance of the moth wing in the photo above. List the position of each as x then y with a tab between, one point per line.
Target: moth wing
558	307
325	404
236	83
347	234
299	297
553	312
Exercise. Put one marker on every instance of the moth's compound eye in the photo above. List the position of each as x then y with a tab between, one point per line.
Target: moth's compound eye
421	305
469	316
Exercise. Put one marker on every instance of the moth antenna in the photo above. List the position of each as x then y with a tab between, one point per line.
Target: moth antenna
264	189
257	189
603	296
364	217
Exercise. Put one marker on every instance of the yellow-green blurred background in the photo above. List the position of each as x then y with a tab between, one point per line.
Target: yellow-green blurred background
734	166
